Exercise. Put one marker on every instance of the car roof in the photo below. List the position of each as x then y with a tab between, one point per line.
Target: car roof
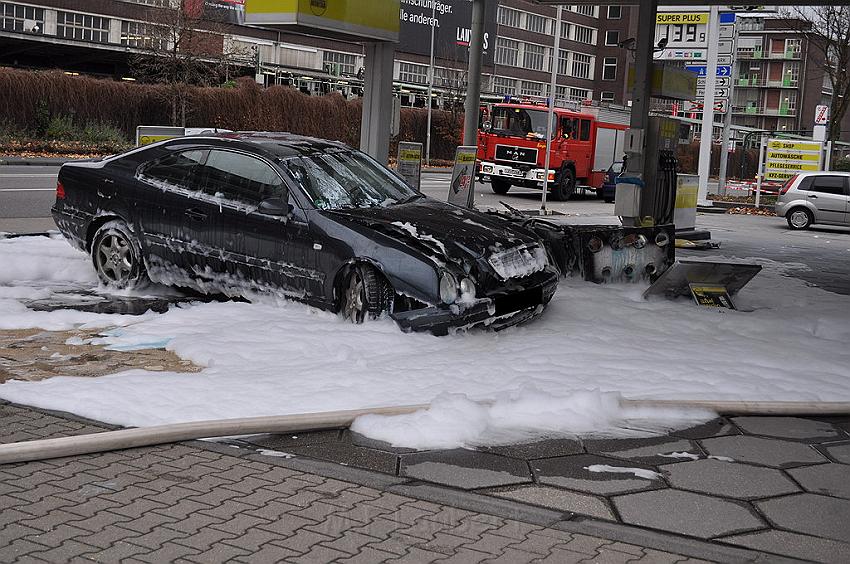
824	172
278	143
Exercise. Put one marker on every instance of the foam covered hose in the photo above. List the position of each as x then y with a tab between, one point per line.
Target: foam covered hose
28	451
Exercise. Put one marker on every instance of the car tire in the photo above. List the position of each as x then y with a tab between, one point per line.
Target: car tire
117	256
799	218
609	200
566	186
365	294
500	186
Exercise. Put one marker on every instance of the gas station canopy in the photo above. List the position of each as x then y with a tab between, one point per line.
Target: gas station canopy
349	20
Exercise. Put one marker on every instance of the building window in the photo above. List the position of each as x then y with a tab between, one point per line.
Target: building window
581	64
531	88
502	85
509	17
537	24
337	63
583	34
566	27
609	68
140	34
507	52
615	12
413	73
449	78
606	96
533	56
21	18
586	10
160	3
563	62
561	93
578	94
793	47
612	38
84	27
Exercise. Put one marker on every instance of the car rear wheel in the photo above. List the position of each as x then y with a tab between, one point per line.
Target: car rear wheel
117	256
365	294
500	186
566	186
800	218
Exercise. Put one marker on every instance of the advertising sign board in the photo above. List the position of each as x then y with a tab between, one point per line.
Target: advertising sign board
784	158
462	187
452	28
409	162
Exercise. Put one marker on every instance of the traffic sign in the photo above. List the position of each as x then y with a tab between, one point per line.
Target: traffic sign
724	47
727	31
720	106
722	70
720	82
724	59
821	115
718	92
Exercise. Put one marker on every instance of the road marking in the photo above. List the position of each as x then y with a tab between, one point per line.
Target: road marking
33	175
27	189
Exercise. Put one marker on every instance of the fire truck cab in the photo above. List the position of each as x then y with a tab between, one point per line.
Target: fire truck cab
512	148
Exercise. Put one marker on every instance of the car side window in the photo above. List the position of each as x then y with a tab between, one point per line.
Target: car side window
805	183
829	185
585	130
240	177
178	169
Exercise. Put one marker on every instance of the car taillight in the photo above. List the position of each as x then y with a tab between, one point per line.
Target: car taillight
60	191
787	185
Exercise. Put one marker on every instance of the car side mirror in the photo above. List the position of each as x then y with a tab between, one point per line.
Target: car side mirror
275	206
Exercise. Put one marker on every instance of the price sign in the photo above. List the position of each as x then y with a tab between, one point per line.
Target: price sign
682	29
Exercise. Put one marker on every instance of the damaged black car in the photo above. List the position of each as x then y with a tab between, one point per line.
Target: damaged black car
314	220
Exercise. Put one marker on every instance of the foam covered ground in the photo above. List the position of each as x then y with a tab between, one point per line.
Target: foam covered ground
593	343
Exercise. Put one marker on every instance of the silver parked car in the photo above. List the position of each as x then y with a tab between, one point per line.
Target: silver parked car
815	197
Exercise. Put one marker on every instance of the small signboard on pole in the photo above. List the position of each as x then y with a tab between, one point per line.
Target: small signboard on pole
409	163
462	187
786	157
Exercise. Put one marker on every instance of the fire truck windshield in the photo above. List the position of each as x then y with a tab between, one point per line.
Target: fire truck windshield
519	122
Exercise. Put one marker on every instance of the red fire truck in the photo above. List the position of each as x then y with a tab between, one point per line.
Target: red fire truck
586	141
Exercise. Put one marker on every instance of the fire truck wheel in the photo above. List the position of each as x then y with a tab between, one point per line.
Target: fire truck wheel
565	187
500	186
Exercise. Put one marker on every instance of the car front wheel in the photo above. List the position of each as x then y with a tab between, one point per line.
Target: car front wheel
117	256
365	294
800	218
499	186
566	186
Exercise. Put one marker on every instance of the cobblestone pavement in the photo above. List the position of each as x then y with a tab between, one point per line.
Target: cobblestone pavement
214	503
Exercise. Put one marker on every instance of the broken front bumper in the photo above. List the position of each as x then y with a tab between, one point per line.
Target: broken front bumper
499	311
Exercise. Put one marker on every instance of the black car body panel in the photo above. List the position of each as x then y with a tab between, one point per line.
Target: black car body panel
214	242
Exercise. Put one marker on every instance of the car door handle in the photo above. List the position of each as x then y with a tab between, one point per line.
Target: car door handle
195	215
812	196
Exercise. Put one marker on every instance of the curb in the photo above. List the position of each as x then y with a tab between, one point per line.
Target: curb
34	161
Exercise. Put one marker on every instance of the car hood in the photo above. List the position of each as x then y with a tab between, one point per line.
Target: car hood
446	232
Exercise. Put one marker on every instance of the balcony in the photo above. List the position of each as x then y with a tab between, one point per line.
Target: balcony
754	110
758	54
760	82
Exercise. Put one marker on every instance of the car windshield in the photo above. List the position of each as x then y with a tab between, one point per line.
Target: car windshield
347	179
520	122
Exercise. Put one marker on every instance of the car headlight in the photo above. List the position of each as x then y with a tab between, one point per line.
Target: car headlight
467	289
448	288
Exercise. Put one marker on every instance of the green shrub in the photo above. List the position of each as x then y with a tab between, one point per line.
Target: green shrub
61	128
10	131
41	118
103	133
841	164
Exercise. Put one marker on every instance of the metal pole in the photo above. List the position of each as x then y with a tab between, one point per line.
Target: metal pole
707	135
759	174
430	86
551	116
827	158
473	84
727	118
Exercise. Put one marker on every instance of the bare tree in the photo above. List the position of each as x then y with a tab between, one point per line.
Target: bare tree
182	45
827	29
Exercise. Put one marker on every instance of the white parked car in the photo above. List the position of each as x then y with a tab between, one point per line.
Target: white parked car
815	197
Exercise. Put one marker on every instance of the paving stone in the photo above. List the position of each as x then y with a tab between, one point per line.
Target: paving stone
842	422
767	452
793	544
350	455
540	449
348	436
839	451
464	468
811	514
686	513
729	479
556	498
645	451
829	479
797	428
569	472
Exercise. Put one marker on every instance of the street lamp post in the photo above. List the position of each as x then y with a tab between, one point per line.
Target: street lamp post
430	86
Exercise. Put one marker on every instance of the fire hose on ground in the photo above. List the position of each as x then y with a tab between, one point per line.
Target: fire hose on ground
43	449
